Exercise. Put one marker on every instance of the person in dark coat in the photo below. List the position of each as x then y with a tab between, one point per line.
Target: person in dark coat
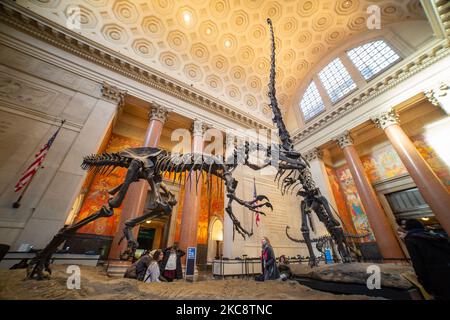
268	261
137	269
430	257
171	263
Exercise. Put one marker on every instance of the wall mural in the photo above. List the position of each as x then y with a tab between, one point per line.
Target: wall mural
432	158
341	204
380	165
383	164
97	194
353	202
211	203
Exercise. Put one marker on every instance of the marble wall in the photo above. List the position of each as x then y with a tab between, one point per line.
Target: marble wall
273	225
34	95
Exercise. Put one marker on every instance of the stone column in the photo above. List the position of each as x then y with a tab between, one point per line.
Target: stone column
134	202
384	233
191	203
429	185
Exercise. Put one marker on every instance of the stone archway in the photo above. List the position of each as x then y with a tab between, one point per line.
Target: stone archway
215	236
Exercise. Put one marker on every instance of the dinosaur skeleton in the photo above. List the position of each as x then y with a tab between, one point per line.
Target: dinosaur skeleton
151	164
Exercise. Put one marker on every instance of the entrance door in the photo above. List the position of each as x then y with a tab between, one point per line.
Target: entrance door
409	204
145	238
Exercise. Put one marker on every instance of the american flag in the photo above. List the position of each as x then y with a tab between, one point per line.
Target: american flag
34	167
257	215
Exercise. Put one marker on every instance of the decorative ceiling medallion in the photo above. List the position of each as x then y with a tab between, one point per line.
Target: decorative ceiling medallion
163	6
273	10
262	66
152	26
334	36
239	21
304	38
233	93
177	40
307	8
86	17
253	4
208	30
346	7
257	34
219	8
144	48
357	23
193	72
250	102
237	73
219	64
289	26
322	21
114	33
125	11
214	82
246	55
169	60
254	84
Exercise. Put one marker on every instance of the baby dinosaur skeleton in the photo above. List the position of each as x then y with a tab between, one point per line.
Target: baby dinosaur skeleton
151	164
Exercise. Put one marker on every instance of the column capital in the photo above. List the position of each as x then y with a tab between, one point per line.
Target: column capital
313	154
198	128
440	96
113	93
157	112
344	139
386	119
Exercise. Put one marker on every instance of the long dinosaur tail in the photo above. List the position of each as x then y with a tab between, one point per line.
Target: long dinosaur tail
104	162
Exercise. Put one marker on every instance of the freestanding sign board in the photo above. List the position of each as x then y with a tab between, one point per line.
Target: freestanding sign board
190	261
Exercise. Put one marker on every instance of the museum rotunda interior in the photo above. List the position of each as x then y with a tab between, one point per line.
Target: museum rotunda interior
344	102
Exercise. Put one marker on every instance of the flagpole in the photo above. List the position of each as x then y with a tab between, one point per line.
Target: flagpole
17	204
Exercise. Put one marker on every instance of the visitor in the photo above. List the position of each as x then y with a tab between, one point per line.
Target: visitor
171	263
268	262
283	268
430	257
153	272
137	269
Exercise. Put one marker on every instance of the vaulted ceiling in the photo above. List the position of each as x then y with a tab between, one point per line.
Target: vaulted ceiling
221	47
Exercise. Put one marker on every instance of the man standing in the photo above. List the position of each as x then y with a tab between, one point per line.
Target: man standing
171	263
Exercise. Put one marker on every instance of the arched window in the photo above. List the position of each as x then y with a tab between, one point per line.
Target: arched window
372	58
311	103
336	80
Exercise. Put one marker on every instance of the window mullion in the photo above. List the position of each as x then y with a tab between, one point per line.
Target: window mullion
354	72
323	93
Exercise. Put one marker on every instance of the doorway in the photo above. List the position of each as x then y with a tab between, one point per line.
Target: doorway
146	236
409	204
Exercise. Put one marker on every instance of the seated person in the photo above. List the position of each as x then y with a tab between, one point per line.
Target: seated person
153	271
283	268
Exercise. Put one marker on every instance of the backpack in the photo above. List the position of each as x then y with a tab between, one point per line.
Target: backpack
131	272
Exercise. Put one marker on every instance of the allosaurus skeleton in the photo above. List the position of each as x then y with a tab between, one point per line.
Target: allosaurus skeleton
151	164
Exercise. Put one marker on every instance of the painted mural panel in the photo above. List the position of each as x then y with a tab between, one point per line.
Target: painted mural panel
97	195
382	164
354	204
432	158
340	201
